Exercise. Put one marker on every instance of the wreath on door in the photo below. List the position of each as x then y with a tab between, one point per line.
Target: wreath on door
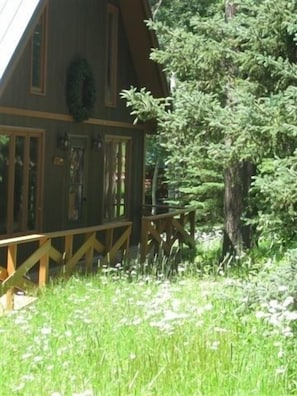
80	90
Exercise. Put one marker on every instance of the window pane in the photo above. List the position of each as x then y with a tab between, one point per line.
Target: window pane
38	56
18	184
4	153
33	178
110	174
37	51
76	183
115	192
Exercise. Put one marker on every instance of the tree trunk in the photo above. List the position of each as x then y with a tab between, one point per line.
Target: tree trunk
232	210
237	177
237	234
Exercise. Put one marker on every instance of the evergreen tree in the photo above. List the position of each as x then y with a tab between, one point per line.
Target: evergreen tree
233	109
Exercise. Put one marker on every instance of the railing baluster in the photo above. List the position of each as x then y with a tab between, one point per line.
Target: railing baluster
144	239
173	224
68	250
90	253
108	243
11	268
43	265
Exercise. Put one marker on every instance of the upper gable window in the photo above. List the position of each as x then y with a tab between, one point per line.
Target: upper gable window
111	55
38	56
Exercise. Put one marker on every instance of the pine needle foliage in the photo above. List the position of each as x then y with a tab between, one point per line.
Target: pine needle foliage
235	100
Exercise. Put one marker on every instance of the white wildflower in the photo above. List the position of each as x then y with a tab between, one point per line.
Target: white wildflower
46	330
291	315
220	330
87	321
87	392
28	377
260	315
287	332
275	320
280	353
280	371
274	304
288	301
19	387
26	355
136	321
170	315
215	345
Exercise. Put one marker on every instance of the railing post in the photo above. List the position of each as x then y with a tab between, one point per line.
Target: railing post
11	268
108	244
169	229
68	250
182	221
90	253
144	239
43	265
127	244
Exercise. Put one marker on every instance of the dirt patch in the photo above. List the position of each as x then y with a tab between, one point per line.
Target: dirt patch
20	301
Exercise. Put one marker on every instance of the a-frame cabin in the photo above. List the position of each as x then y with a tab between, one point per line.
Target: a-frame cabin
71	159
70	156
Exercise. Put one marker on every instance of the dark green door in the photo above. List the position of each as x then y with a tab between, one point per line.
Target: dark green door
77	183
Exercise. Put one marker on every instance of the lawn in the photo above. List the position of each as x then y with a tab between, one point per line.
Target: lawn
104	336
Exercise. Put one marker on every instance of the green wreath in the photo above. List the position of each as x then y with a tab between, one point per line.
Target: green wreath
80	90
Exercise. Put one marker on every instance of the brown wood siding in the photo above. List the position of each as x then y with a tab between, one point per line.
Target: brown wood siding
74	29
55	176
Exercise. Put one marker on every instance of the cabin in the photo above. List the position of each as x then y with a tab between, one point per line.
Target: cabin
71	158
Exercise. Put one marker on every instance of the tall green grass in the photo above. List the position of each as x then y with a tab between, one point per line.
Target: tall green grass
98	336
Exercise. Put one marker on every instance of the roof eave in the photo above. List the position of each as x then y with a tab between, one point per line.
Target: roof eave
142	41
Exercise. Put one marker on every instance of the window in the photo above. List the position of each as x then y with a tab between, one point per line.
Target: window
117	169
111	56
20	181
38	56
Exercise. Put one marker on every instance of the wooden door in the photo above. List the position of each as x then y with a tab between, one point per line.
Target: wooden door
77	183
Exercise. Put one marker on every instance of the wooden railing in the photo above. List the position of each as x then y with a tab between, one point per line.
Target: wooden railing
63	249
161	231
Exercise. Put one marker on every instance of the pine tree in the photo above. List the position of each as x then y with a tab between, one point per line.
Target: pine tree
233	110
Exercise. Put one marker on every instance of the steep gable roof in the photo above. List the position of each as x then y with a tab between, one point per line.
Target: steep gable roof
15	18
141	41
18	18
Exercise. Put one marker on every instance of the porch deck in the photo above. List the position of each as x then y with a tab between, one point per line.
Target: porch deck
63	251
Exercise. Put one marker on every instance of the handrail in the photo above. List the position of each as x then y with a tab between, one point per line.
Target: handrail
57	234
161	231
173	213
70	251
